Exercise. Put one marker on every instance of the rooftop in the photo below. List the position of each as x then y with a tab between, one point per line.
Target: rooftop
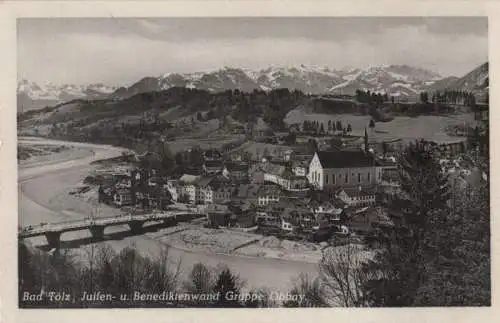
204	181
213	163
345	159
354	191
189	179
237	167
248	190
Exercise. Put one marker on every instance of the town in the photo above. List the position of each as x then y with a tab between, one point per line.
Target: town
341	187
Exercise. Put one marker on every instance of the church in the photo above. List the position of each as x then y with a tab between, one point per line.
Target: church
345	168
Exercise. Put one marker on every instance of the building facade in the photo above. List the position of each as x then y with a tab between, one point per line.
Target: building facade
344	169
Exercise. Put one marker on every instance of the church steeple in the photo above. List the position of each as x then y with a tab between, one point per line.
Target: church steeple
366	141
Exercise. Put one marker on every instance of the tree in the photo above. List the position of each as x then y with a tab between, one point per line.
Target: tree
307	292
196	158
385	148
424	97
312	146
167	159
226	287
200	280
335	143
262	299
330	126
322	128
397	273
291	139
338	125
342	276
349	128
199	116
371	124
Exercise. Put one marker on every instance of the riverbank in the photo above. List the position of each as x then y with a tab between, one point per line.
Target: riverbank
40	186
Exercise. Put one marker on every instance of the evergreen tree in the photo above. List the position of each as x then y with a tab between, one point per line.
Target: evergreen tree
167	159
226	287
398	272
339	125
371	124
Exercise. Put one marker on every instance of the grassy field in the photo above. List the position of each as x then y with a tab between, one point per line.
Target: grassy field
258	148
216	142
406	128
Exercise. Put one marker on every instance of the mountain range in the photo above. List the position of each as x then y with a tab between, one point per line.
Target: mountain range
396	80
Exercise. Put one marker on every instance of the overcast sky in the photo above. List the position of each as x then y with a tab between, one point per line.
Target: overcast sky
122	50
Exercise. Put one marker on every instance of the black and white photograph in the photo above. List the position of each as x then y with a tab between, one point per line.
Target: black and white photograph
253	162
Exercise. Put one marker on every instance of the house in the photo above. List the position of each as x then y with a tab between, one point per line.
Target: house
171	186
156	181
106	194
287	225
273	172
155	197
212	167
344	168
367	220
214	190
297	217
218	215
481	112
268	194
300	168
238	171
212	154
187	188
291	182
223	193
256	174
280	174
262	129
122	197
205	193
328	214
449	148
247	192
358	197
269	215
288	155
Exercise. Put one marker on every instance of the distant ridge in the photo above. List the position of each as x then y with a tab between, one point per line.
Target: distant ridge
396	80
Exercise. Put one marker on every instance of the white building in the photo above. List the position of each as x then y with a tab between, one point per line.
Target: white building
358	197
187	186
334	169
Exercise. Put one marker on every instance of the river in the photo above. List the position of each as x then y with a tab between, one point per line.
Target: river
39	183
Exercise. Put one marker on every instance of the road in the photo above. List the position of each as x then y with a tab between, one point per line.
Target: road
40	183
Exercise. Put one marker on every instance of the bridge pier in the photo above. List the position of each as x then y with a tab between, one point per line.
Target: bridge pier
135	226
97	231
53	239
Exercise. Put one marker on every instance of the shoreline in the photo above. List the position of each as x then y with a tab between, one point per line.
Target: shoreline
257	271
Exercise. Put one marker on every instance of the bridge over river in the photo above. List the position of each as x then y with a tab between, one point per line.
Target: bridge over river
96	226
